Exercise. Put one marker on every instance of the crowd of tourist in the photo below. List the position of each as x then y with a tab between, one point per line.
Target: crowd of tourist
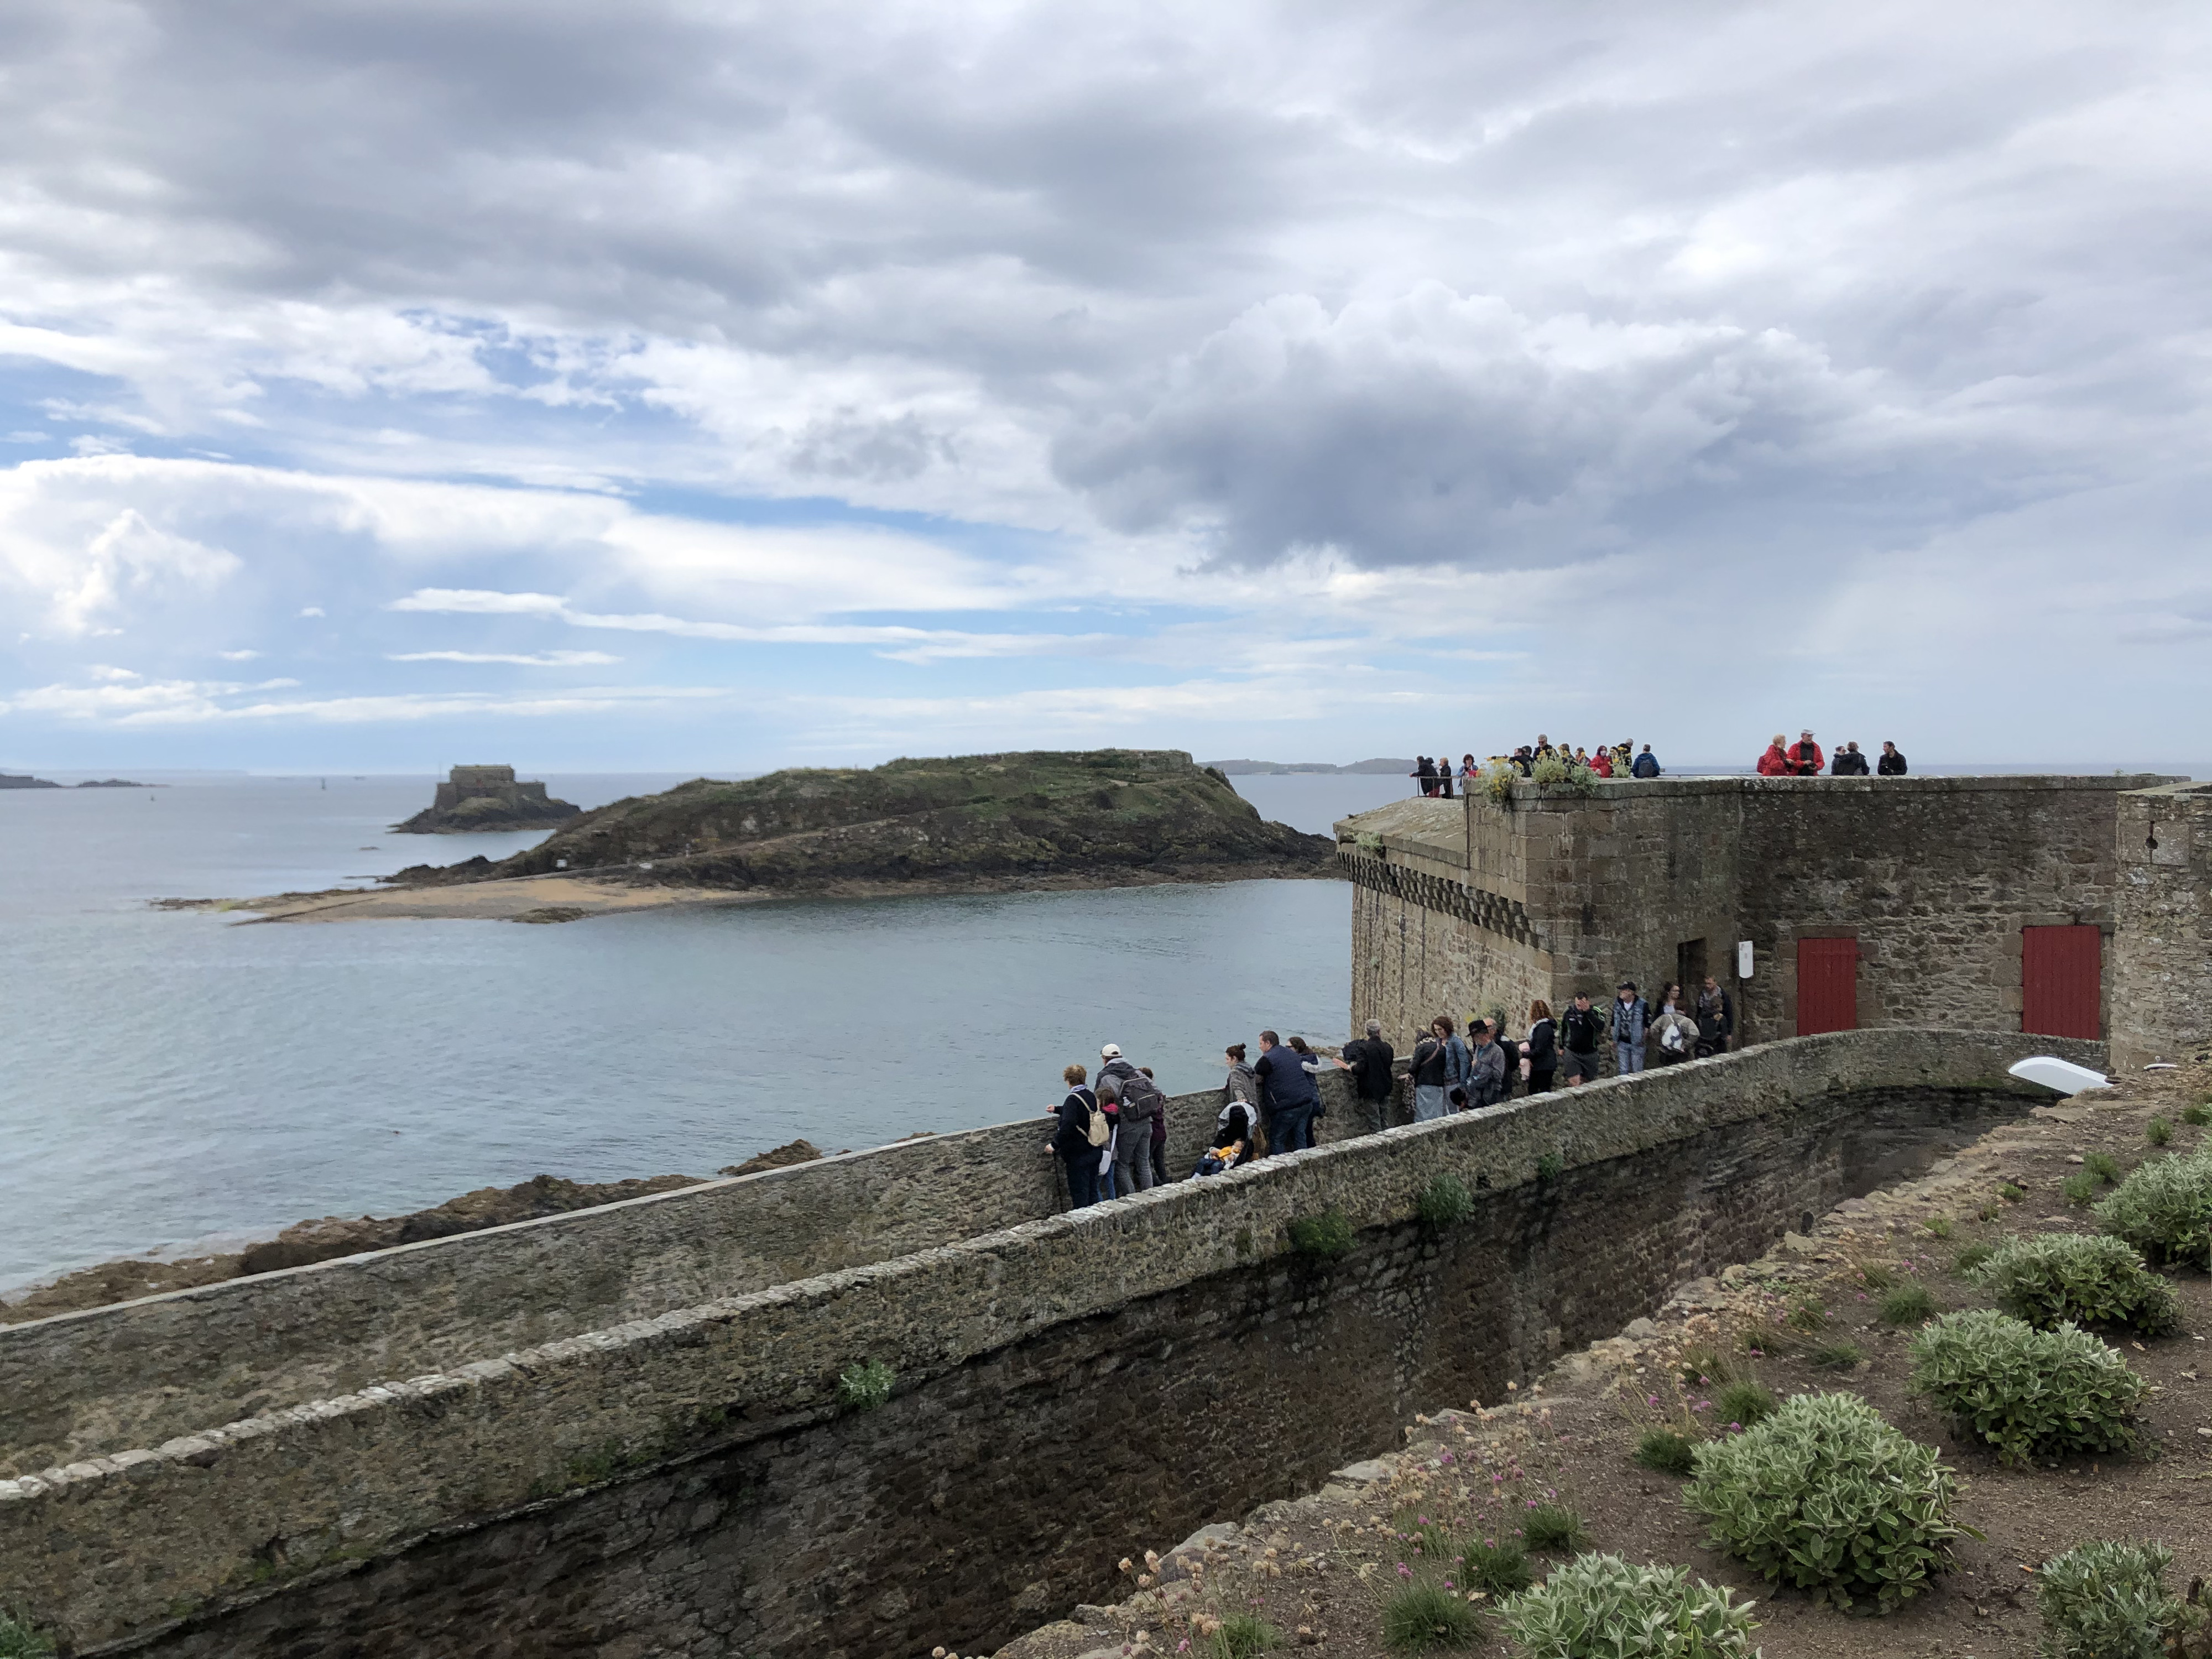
1435	775
1112	1132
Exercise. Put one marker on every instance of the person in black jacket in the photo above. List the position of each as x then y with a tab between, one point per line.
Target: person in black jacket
1288	1095
1368	1059
1585	1029
1716	1018
1072	1140
1541	1048
1848	762
1891	763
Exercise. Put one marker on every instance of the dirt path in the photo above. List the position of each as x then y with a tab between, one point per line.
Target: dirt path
1319	1568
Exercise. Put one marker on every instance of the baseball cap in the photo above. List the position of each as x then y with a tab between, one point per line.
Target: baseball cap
1111	1051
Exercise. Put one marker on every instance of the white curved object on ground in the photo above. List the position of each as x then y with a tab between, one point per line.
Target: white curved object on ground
2062	1075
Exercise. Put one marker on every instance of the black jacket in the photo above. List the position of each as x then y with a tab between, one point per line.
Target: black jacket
1431	1068
1370	1058
1586	1028
1543	1047
1891	766
1848	763
1072	1138
1714	1023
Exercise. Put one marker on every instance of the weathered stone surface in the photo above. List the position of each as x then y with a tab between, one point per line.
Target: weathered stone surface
685	1484
2162	977
1465	906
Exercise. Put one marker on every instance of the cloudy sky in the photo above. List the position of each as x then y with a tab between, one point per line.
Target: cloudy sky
658	384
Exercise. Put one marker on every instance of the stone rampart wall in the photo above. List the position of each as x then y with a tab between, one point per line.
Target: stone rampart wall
1935	877
688	1485
2161	978
79	1384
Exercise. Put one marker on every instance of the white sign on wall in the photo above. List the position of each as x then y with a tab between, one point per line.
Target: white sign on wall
1743	958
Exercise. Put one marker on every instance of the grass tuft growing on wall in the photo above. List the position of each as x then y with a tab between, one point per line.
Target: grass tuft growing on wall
1322	1238
865	1386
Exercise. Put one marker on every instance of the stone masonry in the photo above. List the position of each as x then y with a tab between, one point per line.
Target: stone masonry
1467	905
688	1482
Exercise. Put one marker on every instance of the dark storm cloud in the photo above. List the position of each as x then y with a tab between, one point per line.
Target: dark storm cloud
1508	286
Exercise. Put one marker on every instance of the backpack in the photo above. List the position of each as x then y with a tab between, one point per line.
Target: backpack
1100	1128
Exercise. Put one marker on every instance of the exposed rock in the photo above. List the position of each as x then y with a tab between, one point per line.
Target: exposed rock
17	781
796	1151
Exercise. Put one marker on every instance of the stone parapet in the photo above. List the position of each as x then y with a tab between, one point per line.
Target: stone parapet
172	1546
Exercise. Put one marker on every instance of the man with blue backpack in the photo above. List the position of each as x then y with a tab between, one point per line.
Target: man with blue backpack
1647	764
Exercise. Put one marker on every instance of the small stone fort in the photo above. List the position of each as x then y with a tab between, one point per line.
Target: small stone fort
621	1430
2061	906
475	797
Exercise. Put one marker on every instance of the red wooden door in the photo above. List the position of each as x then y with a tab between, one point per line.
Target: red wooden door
2061	970
1828	985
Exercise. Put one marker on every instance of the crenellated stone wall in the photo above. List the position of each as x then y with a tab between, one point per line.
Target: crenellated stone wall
689	1483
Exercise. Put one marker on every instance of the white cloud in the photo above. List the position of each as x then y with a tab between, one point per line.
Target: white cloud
520	659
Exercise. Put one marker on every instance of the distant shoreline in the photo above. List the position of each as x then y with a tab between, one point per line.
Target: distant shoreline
576	898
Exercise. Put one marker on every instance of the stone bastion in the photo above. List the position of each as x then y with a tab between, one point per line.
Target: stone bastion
621	1432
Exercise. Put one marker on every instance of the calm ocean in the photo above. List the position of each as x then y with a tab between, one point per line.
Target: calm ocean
176	1079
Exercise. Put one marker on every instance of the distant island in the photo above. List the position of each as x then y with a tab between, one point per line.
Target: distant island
1106	817
474	798
117	783
14	781
1256	768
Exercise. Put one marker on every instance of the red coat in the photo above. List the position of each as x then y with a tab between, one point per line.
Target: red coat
1601	763
1805	764
1774	763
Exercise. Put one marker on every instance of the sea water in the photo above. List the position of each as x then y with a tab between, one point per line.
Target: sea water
175	1080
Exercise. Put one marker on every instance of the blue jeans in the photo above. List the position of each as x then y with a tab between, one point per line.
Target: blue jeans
1628	1057
1081	1178
1291	1129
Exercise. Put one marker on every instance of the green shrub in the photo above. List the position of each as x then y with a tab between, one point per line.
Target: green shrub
20	1641
1939	1227
1970	1260
1745	1403
1322	1238
1550	1167
1497	1570
2104	1166
1908	1304
2011	1194
1423	1618
1444	1202
1601	1606
1989	1211
1554	1528
2158	1131
2082	1278
2025	1392
1664	1450
1837	1356
864	1388
2165	1209
2103	1600
2080	1189
1827	1496
1242	1636
2198	1115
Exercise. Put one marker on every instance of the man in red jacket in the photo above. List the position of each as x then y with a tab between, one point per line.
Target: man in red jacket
1805	757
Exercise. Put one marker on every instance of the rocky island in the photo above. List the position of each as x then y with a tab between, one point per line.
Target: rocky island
1106	817
478	798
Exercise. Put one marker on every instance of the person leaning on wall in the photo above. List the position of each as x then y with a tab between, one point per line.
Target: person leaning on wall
1892	763
1080	1139
1368	1059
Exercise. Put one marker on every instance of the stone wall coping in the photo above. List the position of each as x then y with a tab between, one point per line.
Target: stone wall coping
1613	791
361	1474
